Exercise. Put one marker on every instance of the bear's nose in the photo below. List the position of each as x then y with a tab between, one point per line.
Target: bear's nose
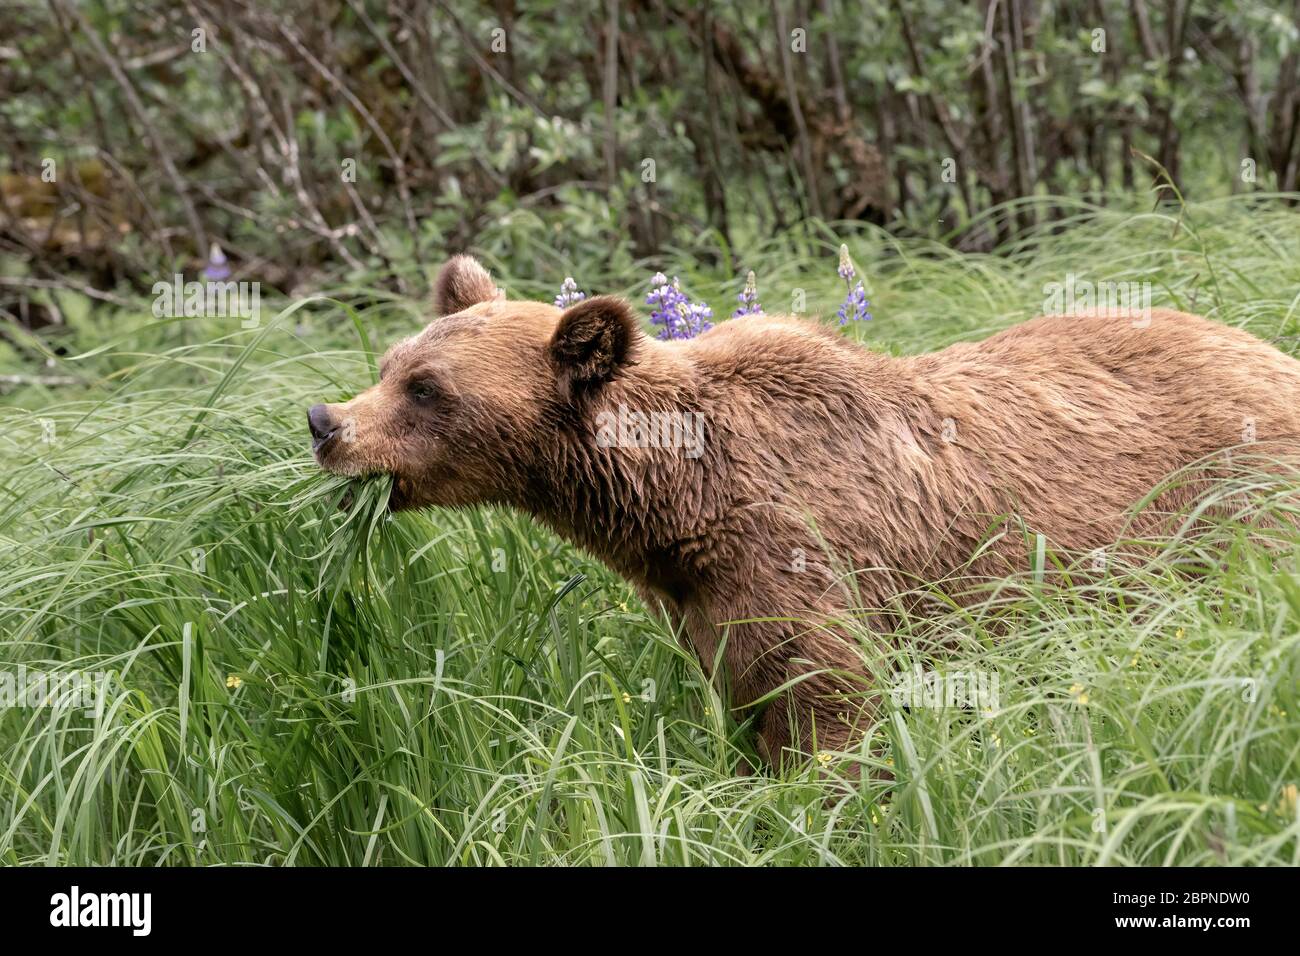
318	421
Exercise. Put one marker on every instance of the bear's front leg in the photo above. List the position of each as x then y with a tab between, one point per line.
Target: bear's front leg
793	728
827	707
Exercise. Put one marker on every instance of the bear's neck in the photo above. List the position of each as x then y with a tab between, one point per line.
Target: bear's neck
635	480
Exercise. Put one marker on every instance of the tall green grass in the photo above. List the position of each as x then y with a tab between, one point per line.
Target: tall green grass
285	683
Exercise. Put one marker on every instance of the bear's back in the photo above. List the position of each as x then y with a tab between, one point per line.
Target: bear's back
905	463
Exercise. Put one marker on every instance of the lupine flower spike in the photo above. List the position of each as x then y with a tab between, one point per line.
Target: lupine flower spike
748	298
569	294
676	316
855	307
216	269
665	303
696	319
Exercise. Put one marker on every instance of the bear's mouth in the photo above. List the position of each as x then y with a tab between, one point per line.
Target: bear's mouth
400	495
401	492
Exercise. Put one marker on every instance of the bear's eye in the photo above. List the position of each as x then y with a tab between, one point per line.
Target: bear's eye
422	390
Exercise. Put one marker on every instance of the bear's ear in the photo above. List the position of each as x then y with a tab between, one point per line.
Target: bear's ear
462	282
594	339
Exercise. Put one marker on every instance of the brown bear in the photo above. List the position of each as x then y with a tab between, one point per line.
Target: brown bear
767	478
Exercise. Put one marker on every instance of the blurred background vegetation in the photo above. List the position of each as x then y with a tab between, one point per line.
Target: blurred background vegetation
362	140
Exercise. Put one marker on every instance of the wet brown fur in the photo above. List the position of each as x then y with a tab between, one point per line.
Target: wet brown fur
819	455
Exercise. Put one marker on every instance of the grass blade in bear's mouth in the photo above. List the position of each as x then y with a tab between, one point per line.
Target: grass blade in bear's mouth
363	499
364	504
342	493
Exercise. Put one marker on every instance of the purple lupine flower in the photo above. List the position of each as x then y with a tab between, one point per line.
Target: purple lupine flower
676	316
696	319
855	307
216	269
748	298
569	294
665	305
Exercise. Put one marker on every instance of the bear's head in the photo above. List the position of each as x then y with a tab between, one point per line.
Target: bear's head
465	410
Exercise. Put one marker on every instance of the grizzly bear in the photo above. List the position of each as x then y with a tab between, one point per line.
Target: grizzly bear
769	478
